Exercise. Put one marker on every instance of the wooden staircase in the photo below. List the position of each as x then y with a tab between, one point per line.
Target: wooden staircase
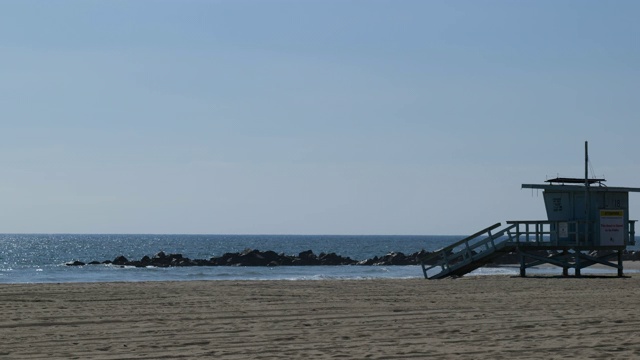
468	254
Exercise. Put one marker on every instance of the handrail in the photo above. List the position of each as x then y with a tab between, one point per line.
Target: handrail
438	252
577	229
535	231
510	222
473	249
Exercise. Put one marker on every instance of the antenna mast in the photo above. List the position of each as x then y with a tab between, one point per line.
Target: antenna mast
587	200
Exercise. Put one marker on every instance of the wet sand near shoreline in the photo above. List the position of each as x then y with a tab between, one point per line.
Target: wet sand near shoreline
493	317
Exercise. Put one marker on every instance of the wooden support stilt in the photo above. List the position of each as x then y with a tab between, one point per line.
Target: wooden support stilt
620	272
523	269
565	268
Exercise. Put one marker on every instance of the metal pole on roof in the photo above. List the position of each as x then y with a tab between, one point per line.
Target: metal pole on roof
586	163
587	201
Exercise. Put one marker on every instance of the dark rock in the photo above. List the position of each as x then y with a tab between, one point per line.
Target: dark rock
306	258
285	260
307	255
335	259
120	260
145	260
416	257
330	259
271	256
252	258
371	261
228	259
75	263
200	262
393	258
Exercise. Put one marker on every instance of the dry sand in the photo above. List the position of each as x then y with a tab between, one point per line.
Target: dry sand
490	317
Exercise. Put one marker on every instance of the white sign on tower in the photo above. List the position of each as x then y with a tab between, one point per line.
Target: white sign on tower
612	227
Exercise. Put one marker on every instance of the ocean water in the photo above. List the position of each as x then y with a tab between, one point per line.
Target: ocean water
41	258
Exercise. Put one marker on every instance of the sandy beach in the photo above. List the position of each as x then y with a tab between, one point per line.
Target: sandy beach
492	317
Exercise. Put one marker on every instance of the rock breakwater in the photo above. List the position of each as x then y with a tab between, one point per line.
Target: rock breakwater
250	257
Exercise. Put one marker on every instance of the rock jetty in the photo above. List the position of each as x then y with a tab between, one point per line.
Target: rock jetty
250	257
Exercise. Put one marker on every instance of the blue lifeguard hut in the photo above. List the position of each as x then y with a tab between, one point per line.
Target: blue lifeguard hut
587	223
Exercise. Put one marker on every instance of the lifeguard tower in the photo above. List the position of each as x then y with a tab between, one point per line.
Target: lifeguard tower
587	224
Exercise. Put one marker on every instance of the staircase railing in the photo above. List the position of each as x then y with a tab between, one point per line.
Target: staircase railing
560	233
464	252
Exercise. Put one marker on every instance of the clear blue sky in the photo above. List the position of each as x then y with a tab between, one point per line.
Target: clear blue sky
308	117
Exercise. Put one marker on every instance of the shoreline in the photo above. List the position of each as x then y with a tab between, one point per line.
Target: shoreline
469	317
111	273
